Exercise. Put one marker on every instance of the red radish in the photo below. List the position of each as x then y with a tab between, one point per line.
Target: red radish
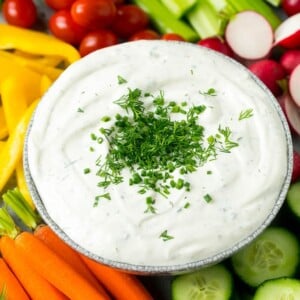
294	85
287	34
249	35
290	60
292	112
291	7
217	43
296	167
270	72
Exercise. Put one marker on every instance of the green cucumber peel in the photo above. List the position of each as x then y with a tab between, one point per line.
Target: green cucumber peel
15	200
7	224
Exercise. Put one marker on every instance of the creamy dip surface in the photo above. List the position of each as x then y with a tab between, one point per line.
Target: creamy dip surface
230	196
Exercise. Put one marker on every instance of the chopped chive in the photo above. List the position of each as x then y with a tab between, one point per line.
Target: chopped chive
121	80
187	205
209	172
80	110
93	136
207	198
105	119
165	236
87	171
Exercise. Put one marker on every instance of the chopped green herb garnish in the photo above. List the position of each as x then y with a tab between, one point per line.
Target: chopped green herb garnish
93	136
248	113
106	119
105	196
121	80
150	208
92	149
187	205
209	92
80	110
165	236
87	171
209	172
207	198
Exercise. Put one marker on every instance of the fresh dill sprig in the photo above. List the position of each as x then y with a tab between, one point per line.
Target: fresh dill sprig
245	114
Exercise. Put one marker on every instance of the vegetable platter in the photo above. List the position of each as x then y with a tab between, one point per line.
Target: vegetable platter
39	39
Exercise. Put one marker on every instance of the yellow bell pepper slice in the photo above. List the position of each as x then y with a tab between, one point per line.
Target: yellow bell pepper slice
53	73
2	143
3	127
11	153
46	82
12	37
14	101
22	185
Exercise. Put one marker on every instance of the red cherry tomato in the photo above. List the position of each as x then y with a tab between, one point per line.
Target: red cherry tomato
129	20
63	27
147	34
94	14
172	37
20	13
96	40
291	7
59	4
119	2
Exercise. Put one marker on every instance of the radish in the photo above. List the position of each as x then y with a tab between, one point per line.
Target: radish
249	35
294	85
296	167
270	72
291	111
290	60
287	34
217	43
291	7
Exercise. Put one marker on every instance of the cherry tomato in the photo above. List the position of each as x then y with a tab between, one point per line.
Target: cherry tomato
59	4
119	2
172	37
94	14
63	27
20	13
130	19
96	40
291	7
147	34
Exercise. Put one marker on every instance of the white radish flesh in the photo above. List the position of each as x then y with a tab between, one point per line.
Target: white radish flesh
249	35
294	85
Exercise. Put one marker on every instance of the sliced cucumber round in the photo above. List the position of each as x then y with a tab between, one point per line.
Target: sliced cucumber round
279	289
274	254
293	198
212	283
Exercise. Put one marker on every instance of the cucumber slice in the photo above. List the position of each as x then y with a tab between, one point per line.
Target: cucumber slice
212	283
273	254
279	289
293	198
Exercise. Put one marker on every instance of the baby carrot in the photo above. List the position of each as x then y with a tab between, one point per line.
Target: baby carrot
69	255
53	268
35	285
10	284
121	285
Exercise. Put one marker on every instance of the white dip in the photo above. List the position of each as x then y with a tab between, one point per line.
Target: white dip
243	185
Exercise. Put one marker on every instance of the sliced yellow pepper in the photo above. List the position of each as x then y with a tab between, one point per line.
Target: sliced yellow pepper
3	126
11	153
22	185
12	37
2	143
53	73
14	101
46	82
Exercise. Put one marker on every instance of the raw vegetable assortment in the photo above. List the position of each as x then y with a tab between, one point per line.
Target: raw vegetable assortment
248	31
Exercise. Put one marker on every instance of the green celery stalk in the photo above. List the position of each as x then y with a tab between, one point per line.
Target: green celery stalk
7	224
223	7
206	20
179	7
259	6
15	200
275	3
165	21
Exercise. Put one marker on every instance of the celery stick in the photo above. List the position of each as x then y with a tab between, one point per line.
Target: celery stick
275	3
206	20
224	8
179	7
165	21
259	6
7	224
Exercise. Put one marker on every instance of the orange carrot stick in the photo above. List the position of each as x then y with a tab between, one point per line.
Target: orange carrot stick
69	255
121	285
53	268
36	286
9	283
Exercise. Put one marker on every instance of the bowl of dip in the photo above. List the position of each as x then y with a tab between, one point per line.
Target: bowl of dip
158	157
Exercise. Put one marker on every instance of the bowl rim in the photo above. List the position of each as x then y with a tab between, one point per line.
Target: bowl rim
184	267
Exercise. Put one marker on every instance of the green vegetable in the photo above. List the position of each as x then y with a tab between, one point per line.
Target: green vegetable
279	289
275	253
275	3
179	7
248	113
165	236
7	224
209	283
165	21
293	198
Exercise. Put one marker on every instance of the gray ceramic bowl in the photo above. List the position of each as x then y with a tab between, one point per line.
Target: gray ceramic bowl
180	268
